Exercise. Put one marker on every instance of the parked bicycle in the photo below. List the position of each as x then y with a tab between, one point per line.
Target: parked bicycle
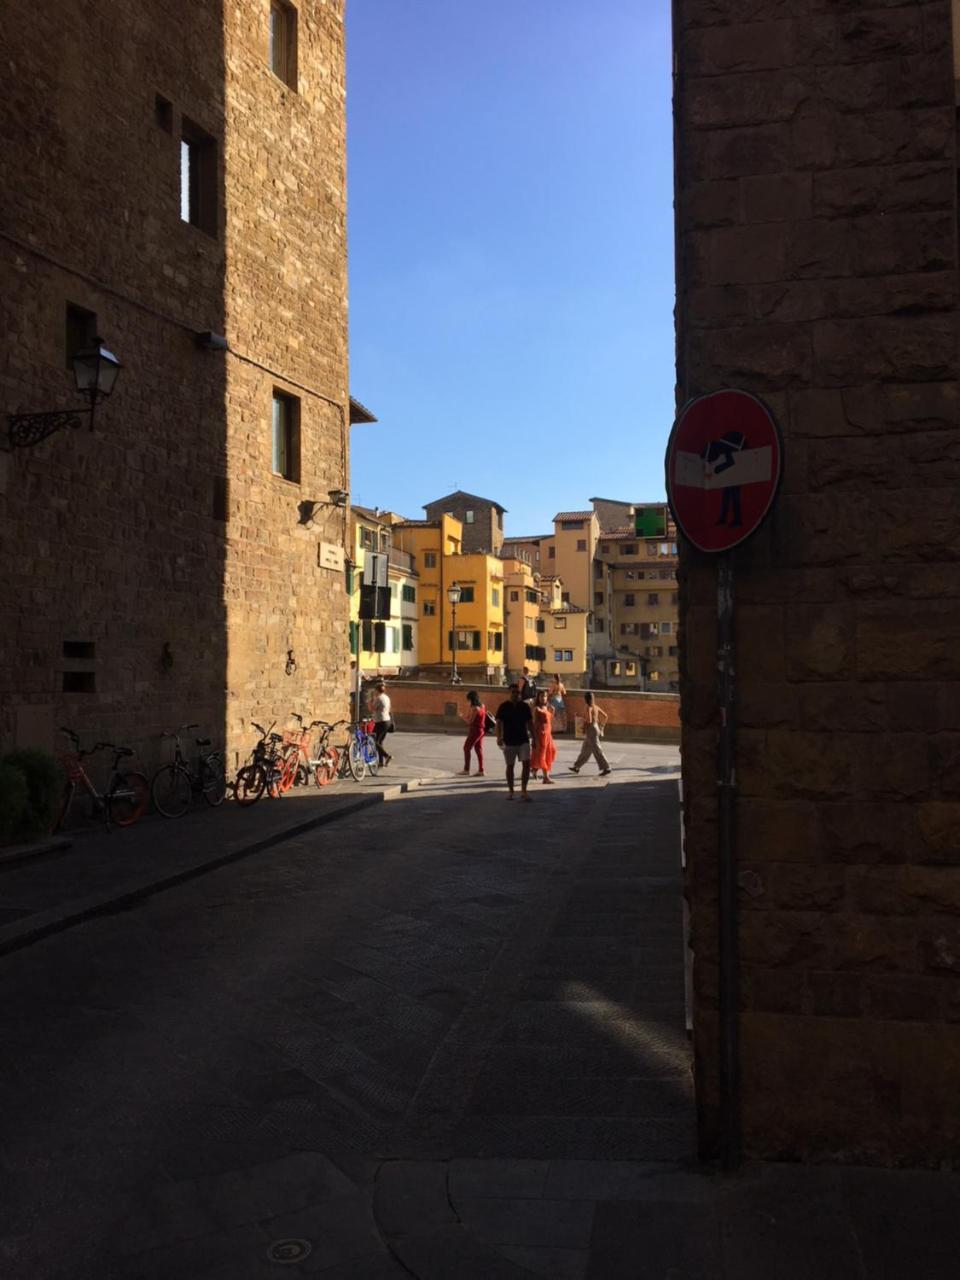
124	799
360	750
264	770
321	762
174	784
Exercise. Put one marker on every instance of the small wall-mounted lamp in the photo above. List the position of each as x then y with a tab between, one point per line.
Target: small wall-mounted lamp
166	656
291	663
308	509
95	371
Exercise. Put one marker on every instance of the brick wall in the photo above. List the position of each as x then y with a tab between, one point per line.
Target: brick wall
816	183
633	716
164	526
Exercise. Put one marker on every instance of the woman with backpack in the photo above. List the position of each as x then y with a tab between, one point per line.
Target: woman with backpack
475	716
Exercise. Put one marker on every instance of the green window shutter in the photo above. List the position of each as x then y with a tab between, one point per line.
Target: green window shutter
354	637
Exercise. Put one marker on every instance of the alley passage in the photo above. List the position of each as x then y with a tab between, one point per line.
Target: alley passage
226	1064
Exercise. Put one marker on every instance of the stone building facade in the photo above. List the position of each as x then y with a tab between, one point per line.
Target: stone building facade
817	268
173	170
481	518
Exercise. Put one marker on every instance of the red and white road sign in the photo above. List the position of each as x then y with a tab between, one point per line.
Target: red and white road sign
723	465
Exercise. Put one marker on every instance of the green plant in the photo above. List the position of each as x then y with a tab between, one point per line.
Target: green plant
13	800
44	783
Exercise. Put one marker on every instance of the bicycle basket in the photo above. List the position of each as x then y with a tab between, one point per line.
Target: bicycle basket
71	767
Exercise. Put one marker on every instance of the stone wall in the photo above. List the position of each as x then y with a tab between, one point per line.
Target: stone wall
161	538
816	186
634	717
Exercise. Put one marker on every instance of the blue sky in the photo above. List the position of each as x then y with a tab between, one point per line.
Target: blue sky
511	251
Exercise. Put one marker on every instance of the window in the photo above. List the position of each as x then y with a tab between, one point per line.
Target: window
409	596
531	597
408	635
163	113
654	677
598	597
286	436
565	597
571	524
283	42
384	541
665	575
368	539
614	668
631	668
629	600
393	591
495	595
598	569
568	655
651	548
654	651
221	498
605	548
559	624
664	548
466	595
469	640
665	628
198	178
468	517
529	624
653	597
558	655
429	559
541	625
393	640
514	597
429	609
673	651
80	330
629	573
498	641
551	553
581	544
628	548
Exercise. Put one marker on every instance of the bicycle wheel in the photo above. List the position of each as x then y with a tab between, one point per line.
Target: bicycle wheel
213	780
288	769
251	780
66	810
355	762
371	756
127	799
171	790
329	770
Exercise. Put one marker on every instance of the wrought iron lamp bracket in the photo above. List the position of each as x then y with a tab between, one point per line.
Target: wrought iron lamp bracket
27	429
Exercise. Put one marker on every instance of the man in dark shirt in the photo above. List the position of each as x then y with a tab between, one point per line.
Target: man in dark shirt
514	730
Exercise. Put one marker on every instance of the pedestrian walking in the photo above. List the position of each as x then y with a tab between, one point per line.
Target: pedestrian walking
475	716
558	703
382	720
594	720
514	729
528	686
544	748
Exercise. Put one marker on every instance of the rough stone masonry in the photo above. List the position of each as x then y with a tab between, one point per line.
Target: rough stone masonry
817	268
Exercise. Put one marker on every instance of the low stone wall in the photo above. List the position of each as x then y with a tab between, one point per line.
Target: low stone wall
634	717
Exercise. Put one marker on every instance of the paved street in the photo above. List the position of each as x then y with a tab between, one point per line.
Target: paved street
227	1063
438	1037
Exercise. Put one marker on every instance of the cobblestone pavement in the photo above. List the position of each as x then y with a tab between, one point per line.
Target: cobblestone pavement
440	1038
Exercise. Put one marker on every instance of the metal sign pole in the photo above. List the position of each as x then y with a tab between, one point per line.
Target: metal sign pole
726	814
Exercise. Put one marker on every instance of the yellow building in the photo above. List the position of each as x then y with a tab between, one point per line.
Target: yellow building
523	625
436	548
373	531
566	634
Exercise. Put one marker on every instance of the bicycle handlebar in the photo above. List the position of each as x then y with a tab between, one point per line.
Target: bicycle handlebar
263	732
299	719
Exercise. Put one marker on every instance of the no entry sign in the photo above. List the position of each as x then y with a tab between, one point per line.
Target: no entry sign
723	465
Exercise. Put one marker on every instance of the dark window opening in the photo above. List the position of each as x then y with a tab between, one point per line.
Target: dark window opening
198	178
283	42
82	649
286	436
163	113
79	682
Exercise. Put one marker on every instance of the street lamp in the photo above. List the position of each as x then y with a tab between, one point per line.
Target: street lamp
95	371
453	595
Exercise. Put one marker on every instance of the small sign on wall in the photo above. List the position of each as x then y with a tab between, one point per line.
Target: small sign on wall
330	556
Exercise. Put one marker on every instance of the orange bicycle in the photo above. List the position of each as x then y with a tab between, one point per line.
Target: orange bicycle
124	800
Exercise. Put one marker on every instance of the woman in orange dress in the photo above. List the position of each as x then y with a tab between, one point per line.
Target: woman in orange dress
544	751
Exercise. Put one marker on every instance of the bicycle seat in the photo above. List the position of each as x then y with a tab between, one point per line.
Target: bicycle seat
203	742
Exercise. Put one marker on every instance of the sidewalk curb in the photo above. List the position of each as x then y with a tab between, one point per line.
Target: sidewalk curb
14	854
22	933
